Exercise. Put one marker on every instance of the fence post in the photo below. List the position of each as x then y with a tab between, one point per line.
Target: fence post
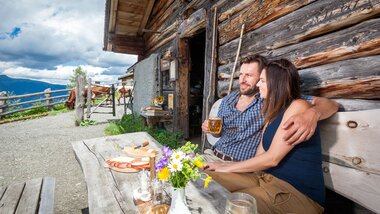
48	101
124	92
3	103
89	97
113	100
79	100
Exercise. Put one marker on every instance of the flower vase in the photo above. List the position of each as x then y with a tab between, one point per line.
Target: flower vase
178	204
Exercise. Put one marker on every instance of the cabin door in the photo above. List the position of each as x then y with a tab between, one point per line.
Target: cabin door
190	87
196	80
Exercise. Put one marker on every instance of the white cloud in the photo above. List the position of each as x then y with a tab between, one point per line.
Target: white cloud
55	37
59	75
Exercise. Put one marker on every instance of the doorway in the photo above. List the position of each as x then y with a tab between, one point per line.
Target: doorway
196	83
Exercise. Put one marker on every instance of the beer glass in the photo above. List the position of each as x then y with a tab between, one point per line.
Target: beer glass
240	203
215	125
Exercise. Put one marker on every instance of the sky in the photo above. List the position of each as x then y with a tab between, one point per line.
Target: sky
46	40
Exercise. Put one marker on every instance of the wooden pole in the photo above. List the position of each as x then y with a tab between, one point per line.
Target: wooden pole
79	101
3	102
113	100
211	73
236	59
89	98
124	92
48	97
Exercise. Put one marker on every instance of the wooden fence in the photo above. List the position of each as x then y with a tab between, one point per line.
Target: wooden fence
5	104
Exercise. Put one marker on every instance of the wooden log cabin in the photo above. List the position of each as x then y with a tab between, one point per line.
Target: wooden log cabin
334	44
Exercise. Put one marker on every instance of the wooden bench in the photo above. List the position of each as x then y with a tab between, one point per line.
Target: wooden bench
33	196
350	152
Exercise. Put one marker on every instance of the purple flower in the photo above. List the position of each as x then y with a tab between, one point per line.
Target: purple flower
161	163
167	151
191	154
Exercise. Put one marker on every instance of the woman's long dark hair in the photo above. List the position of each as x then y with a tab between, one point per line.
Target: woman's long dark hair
283	84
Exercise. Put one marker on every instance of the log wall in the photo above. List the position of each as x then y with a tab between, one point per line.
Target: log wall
335	44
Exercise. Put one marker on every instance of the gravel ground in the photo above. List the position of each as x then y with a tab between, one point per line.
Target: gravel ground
42	147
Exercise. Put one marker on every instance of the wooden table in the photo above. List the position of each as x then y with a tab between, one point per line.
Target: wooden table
33	196
112	192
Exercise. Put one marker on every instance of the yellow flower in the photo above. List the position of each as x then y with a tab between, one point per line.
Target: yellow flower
207	181
164	174
198	163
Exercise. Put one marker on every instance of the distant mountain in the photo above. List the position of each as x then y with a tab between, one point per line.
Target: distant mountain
25	86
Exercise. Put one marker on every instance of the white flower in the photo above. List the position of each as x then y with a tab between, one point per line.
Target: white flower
177	156
175	165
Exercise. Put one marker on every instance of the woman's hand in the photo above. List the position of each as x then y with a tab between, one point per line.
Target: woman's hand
217	167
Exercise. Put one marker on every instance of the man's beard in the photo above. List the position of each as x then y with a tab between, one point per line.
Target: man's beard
249	92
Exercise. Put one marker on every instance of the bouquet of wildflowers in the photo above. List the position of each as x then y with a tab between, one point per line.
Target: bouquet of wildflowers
181	165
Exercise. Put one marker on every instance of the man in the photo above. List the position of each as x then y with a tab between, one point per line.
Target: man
243	118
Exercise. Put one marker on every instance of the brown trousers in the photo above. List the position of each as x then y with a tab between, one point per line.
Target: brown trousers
272	194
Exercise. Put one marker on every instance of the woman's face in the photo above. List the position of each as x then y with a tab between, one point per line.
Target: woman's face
262	84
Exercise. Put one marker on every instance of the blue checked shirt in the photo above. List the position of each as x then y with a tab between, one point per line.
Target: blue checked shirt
241	131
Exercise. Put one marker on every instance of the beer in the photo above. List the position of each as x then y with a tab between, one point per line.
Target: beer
215	125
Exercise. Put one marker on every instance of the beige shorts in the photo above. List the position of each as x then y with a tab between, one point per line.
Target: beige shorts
272	194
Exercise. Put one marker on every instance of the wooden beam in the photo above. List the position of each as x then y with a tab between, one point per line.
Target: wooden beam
182	86
148	10
354	78
113	16
127	44
357	104
255	15
357	41
360	88
290	30
350	141
331	80
192	25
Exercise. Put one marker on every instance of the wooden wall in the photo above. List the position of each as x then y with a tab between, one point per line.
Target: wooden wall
335	44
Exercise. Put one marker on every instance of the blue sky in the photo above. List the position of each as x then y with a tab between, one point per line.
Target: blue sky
46	40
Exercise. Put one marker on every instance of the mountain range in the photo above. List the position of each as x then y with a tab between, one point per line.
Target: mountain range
25	86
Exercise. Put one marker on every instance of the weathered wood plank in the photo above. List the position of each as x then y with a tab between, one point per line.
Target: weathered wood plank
222	87
354	68
231	8
47	196
257	14
101	198
192	25
182	89
358	186
30	197
356	78
316	21
360	40
357	104
351	139
94	151
11	198
162	38
158	12
147	11
359	88
210	66
165	18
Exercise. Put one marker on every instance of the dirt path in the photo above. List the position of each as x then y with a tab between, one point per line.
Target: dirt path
42	147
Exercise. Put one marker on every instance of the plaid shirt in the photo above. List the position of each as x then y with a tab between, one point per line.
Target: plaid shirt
241	131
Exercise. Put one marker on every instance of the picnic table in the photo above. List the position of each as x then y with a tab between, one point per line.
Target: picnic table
110	191
33	196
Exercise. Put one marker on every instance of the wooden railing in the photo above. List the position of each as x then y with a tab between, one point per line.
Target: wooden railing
4	100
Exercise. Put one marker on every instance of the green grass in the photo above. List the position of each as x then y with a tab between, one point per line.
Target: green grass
129	124
60	108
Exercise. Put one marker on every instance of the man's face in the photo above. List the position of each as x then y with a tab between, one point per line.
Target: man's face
249	76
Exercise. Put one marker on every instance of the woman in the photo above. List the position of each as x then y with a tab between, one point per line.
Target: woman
283	178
